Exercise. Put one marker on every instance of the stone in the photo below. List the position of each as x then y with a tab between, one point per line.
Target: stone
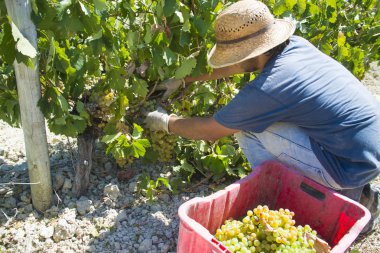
69	214
169	234
112	191
26	198
46	232
83	205
165	197
165	248
18	235
122	216
4	190
145	245
155	239
132	187
2	152
58	181
10	203
108	166
117	245
62	231
67	185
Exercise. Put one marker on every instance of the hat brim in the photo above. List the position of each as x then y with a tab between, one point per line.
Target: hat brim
223	55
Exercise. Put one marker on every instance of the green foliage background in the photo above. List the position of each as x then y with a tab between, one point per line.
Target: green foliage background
115	52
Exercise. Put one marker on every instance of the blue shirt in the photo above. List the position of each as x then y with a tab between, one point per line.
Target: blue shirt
309	89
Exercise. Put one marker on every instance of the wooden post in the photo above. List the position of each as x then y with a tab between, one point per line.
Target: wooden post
32	120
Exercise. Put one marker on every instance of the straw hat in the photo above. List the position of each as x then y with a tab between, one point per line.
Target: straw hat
245	30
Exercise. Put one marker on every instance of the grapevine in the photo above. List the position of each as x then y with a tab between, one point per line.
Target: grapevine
264	230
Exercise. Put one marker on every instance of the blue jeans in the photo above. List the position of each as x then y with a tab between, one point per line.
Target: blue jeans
290	145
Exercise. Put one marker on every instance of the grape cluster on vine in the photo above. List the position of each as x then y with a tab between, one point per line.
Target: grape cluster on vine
265	230
162	143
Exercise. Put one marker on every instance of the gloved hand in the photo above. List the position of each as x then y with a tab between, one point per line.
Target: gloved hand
157	120
170	86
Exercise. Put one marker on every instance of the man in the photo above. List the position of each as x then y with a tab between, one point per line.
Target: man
303	109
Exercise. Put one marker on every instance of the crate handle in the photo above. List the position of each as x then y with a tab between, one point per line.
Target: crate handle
312	191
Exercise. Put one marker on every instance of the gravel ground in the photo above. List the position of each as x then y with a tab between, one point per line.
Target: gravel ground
112	217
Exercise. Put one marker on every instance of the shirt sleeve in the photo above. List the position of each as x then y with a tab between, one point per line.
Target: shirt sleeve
252	109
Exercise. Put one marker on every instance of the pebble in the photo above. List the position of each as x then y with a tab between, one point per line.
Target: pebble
112	191
108	166
46	232
9	202
58	181
62	230
83	205
67	185
132	187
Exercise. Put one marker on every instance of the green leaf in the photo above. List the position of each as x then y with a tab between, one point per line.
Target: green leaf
62	6
314	9
73	126
50	58
137	131
110	138
201	25
63	103
170	7
82	110
279	8
163	181
84	9
132	39
290	4
185	68
301	4
228	150
184	165
138	148
139	87
169	56
123	102
184	38
22	44
7	44
62	63
148	34
341	39
180	16
60	121
331	11
214	164
116	79
327	48
96	36
100	5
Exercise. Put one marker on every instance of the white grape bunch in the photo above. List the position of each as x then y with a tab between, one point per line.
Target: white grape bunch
265	230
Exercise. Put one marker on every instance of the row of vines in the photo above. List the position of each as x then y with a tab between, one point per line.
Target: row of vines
100	61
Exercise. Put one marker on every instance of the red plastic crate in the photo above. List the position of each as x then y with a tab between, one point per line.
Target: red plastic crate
336	218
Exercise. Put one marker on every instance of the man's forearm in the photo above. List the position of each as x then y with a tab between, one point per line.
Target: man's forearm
198	128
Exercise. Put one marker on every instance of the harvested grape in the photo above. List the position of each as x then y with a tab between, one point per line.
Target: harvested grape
265	230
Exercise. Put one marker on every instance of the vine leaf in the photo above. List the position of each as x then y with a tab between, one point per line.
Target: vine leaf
186	68
22	44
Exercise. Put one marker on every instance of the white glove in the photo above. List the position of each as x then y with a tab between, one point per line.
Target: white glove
170	86
157	120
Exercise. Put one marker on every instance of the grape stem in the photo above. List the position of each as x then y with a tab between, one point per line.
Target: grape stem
320	245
